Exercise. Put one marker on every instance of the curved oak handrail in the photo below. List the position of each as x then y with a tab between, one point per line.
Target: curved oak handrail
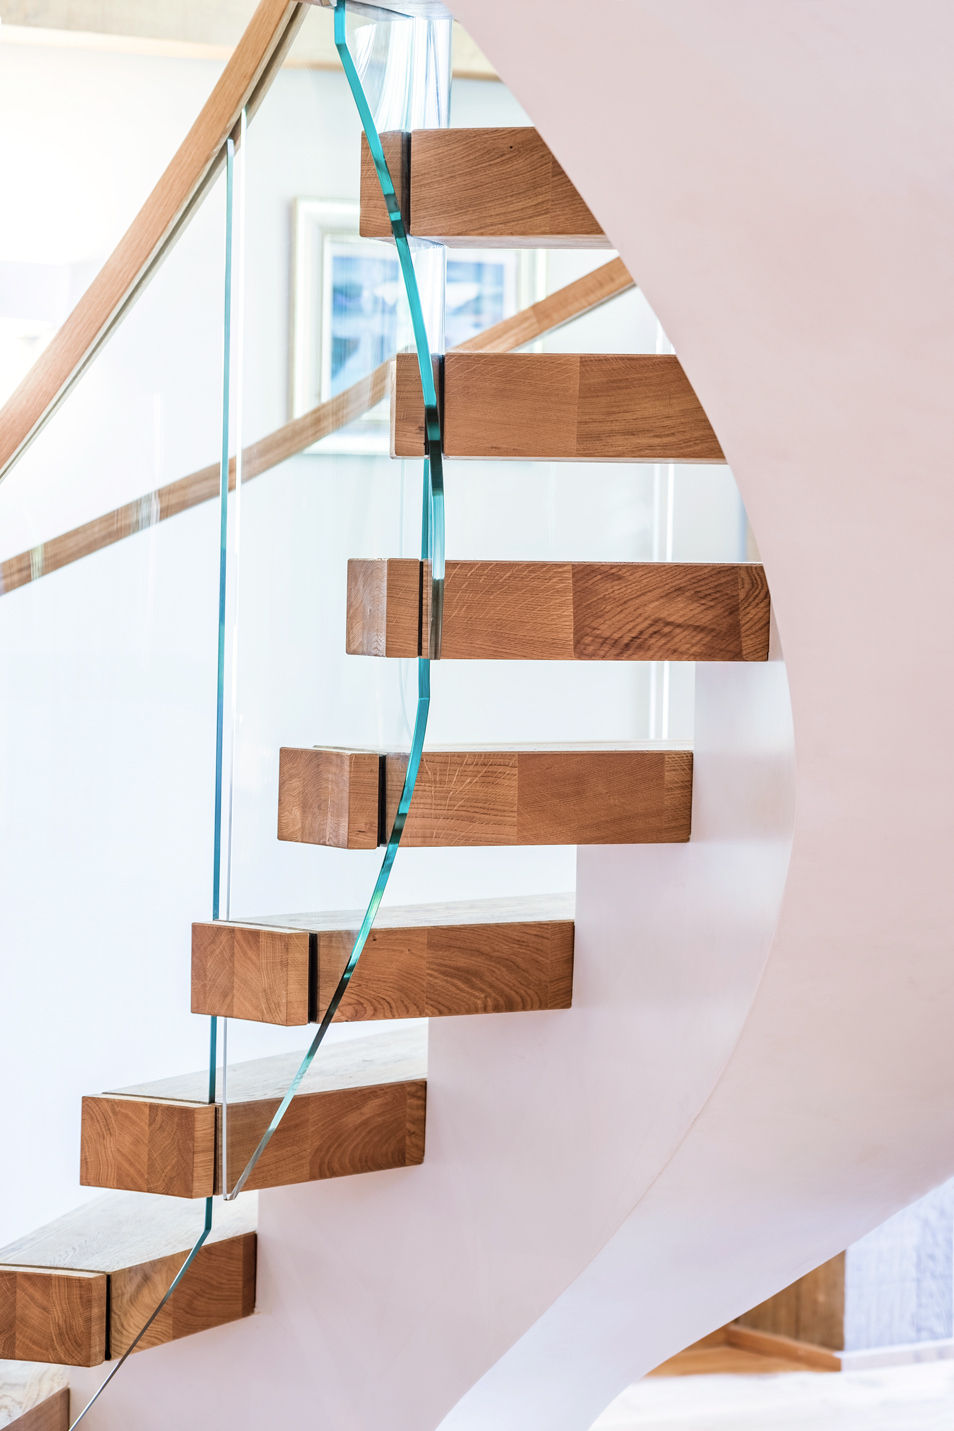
567	303
161	219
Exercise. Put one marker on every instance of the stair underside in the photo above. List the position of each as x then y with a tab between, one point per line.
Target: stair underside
359	1109
563	611
77	1291
543	795
478	187
574	407
425	961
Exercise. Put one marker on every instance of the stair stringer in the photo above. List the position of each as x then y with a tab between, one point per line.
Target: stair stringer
382	1298
778	179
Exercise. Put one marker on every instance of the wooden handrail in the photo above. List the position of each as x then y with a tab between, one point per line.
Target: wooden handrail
161	219
572	301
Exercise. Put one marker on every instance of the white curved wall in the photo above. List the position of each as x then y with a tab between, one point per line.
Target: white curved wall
779	180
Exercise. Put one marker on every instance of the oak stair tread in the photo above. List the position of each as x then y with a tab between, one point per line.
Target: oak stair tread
556	407
601	792
33	1397
486	187
506	909
360	1108
120	1230
76	1291
562	610
484	956
385	1056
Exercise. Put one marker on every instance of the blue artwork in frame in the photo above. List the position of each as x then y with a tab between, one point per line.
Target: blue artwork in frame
349	312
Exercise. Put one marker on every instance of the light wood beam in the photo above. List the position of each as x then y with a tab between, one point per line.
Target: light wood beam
483	187
810	1310
563	611
359	1109
543	795
427	961
76	1291
582	407
329	797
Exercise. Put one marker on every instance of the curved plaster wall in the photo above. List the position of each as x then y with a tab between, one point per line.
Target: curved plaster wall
749	1079
779	178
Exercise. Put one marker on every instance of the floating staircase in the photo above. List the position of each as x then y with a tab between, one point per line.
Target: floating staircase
477	188
78	1291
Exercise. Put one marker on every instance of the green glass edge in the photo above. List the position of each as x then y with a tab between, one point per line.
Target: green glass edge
432	552
219	738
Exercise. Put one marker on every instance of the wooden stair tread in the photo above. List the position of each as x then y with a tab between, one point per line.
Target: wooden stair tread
387	1056
573	407
563	610
33	1397
121	1230
420	961
478	187
77	1291
360	1108
578	793
523	908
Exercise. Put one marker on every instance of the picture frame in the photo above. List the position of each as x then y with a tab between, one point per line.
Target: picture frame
349	312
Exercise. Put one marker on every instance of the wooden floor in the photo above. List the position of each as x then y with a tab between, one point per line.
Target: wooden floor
724	1361
908	1398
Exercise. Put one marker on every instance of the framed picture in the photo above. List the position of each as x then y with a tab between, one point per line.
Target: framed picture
349	312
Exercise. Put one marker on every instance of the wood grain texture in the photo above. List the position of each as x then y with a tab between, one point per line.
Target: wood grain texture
243	972
561	795
71	1291
330	1135
773	1344
811	1310
719	1356
583	407
329	797
433	961
359	1109
218	1288
563	611
439	970
148	1145
481	187
51	1414
52	1315
33	1397
581	296
567	796
373	220
385	608
159	221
